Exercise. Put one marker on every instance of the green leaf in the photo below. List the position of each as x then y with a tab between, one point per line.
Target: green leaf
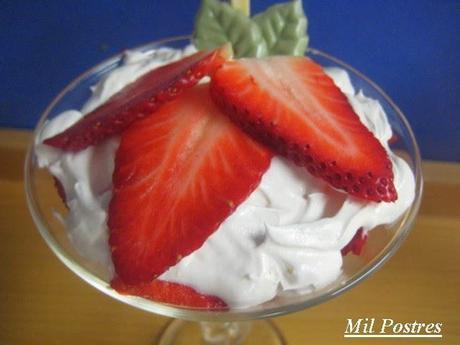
217	23
284	27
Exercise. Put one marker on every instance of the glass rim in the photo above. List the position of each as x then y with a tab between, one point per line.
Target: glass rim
231	314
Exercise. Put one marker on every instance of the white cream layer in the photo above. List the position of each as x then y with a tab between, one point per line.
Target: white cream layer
287	235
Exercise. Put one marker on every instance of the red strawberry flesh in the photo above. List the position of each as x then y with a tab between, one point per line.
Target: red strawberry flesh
138	99
290	104
60	189
356	244
172	293
178	175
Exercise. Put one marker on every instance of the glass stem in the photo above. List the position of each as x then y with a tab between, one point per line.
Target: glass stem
225	333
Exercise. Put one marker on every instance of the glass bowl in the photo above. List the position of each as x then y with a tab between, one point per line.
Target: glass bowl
45	205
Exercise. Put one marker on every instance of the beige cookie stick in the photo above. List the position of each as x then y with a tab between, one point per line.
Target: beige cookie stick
242	5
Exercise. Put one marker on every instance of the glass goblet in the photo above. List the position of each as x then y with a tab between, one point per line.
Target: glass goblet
231	326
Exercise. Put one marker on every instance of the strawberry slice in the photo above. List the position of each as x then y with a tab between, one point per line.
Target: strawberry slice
172	293
60	189
178	175
290	104
356	244
139	99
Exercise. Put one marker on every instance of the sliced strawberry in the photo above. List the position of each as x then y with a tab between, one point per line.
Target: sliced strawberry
394	139
172	293
177	176
60	189
138	99
356	244
290	104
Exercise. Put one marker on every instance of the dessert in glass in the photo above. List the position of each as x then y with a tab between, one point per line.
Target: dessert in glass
206	206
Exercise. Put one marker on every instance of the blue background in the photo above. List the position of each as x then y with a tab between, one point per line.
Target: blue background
411	48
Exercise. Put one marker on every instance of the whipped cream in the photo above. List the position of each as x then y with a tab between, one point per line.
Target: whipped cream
286	236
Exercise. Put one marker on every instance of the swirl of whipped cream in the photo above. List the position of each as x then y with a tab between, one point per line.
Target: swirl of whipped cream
287	235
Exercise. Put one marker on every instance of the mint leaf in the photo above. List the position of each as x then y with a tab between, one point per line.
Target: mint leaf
284	28
217	23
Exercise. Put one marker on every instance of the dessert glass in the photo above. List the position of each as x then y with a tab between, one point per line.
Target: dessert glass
217	326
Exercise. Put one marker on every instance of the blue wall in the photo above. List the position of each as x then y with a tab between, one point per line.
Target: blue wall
411	48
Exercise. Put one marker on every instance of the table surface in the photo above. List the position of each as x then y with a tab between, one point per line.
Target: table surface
42	302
